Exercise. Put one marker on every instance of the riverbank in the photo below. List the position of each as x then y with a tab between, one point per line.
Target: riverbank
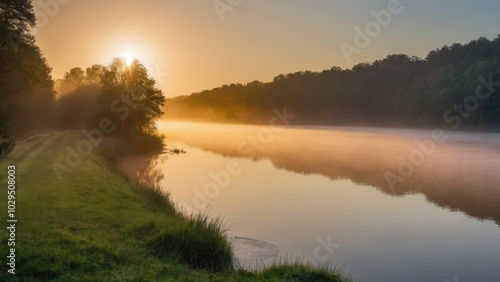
79	219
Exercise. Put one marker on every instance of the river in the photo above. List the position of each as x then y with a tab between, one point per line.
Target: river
382	204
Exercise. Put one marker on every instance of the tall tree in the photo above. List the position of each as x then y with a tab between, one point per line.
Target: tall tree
129	98
26	86
16	17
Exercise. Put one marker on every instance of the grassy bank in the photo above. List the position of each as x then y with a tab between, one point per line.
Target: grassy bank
91	224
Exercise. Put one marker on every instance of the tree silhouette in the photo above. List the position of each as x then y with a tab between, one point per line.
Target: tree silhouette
25	81
399	90
129	98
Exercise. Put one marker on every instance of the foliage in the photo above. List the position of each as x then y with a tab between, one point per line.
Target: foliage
25	81
77	92
73	107
123	95
399	90
142	102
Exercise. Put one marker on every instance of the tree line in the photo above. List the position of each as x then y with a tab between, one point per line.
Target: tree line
397	91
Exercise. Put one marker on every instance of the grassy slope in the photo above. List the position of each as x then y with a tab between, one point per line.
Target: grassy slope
94	225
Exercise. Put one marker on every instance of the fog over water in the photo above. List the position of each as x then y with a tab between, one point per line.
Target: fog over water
394	204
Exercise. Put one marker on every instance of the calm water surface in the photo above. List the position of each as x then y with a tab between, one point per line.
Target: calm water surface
391	205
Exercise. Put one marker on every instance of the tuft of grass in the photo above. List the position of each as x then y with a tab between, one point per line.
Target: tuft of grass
299	272
200	241
292	268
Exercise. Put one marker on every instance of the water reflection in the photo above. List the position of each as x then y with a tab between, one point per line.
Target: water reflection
461	173
300	194
144	169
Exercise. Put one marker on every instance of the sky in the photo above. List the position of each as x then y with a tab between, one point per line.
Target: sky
193	45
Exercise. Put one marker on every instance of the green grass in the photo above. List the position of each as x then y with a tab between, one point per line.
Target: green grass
199	242
95	225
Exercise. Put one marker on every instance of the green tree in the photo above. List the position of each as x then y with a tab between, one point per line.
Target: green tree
75	76
26	86
132	86
16	18
77	91
93	74
130	100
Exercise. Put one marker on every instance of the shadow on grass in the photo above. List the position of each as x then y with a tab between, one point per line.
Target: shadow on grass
6	147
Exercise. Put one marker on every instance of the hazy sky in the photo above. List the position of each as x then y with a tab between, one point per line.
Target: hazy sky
189	45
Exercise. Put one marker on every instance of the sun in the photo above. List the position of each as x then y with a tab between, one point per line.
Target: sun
128	57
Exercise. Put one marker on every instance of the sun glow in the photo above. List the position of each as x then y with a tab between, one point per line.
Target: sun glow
128	57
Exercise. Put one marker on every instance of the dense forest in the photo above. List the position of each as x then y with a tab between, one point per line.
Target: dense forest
453	87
